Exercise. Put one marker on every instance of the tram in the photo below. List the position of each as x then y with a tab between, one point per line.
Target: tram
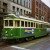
23	27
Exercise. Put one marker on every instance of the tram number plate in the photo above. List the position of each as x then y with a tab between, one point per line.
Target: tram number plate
29	31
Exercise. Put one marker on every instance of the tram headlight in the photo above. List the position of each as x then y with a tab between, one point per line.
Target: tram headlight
11	29
6	32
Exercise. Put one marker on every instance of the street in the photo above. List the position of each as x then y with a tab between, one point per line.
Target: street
36	44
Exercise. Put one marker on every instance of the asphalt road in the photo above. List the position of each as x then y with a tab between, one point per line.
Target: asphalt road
37	44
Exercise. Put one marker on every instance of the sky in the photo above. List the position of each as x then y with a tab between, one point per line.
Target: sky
47	2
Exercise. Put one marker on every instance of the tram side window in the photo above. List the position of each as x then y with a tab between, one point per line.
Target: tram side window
10	22
34	24
6	22
31	24
22	23
28	24
25	24
41	25
17	23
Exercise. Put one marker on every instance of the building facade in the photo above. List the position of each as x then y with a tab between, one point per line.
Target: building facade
36	8
3	5
49	15
39	10
21	6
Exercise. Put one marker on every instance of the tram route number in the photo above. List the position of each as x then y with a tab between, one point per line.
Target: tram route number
29	31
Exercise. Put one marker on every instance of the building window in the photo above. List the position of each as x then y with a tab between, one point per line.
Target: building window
17	9
4	7
40	12
13	0
13	8
21	2
24	11
36	3
3	10
21	11
27	12
29	5
36	16
29	0
24	3
17	13
17	1
39	5
36	10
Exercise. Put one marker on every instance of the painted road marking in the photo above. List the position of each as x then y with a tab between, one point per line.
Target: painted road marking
20	48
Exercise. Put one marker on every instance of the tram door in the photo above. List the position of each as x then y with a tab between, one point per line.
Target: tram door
1	25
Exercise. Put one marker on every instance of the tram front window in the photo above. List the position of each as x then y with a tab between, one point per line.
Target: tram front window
10	22
6	22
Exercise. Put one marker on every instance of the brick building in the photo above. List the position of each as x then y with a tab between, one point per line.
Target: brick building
39	10
48	14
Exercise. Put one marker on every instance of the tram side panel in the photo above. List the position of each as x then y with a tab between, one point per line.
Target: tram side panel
38	32
35	32
17	33
27	32
11	33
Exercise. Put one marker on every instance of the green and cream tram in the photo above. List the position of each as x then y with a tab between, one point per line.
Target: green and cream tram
23	27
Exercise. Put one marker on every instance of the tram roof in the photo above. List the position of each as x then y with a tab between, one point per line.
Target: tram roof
27	18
